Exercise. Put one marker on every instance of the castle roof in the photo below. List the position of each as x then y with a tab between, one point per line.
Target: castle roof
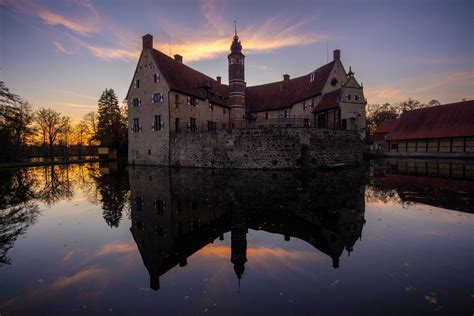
184	79
328	101
386	126
283	94
448	120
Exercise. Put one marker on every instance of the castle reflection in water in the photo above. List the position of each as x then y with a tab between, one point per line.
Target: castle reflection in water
175	212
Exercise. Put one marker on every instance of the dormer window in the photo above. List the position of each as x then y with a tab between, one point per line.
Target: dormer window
311	77
137	83
156	78
348	97
334	81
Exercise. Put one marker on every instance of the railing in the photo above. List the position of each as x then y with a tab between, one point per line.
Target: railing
211	126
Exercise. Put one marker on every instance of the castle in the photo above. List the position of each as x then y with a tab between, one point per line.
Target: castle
167	100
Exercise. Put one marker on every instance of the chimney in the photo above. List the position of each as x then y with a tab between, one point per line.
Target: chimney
178	58
147	41
337	54
286	77
218	78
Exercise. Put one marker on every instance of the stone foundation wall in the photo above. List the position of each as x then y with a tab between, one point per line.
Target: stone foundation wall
284	148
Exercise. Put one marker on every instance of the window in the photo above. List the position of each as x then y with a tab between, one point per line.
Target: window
211	126
304	106
311	77
232	61
176	125
157	97
193	101
137	83
286	114
136	125
160	231
393	146
192	124
176	100
139	203
356	97
156	78
160	206
266	115
224	110
306	123
321	120
149	152
158	125
211	107
344	124
348	97
312	103
136	102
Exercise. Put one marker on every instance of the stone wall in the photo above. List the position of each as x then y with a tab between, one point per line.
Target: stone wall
282	148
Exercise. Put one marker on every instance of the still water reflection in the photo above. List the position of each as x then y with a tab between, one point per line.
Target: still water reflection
96	239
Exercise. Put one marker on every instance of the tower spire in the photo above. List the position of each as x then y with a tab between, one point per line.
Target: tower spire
235	28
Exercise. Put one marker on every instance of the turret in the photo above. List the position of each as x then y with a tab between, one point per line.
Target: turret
236	79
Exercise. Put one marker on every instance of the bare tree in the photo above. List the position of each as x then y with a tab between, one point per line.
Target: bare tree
51	124
90	119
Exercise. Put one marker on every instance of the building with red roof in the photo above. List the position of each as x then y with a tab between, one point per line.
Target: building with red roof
166	96
439	131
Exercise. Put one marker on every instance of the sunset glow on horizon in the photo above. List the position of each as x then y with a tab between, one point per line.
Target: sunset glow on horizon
63	54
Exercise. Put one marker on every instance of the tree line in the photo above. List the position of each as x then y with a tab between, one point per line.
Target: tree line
378	113
25	132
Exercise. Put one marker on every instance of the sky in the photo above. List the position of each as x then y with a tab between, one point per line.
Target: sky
63	54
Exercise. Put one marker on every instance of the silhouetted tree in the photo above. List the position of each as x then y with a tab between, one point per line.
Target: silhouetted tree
111	127
16	116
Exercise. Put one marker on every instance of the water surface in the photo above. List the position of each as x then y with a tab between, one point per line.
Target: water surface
393	238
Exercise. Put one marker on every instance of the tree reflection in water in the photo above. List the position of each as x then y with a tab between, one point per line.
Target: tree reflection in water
112	184
18	209
23	190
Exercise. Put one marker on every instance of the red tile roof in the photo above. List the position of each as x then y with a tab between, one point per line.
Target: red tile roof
386	126
283	94
448	120
328	101
184	79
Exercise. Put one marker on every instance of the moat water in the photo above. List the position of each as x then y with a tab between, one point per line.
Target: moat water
390	238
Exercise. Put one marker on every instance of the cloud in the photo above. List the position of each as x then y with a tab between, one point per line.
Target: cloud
52	18
197	43
66	281
60	48
446	79
386	94
113	53
444	86
116	248
82	106
85	22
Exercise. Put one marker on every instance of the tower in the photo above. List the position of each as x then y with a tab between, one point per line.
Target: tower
236	79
